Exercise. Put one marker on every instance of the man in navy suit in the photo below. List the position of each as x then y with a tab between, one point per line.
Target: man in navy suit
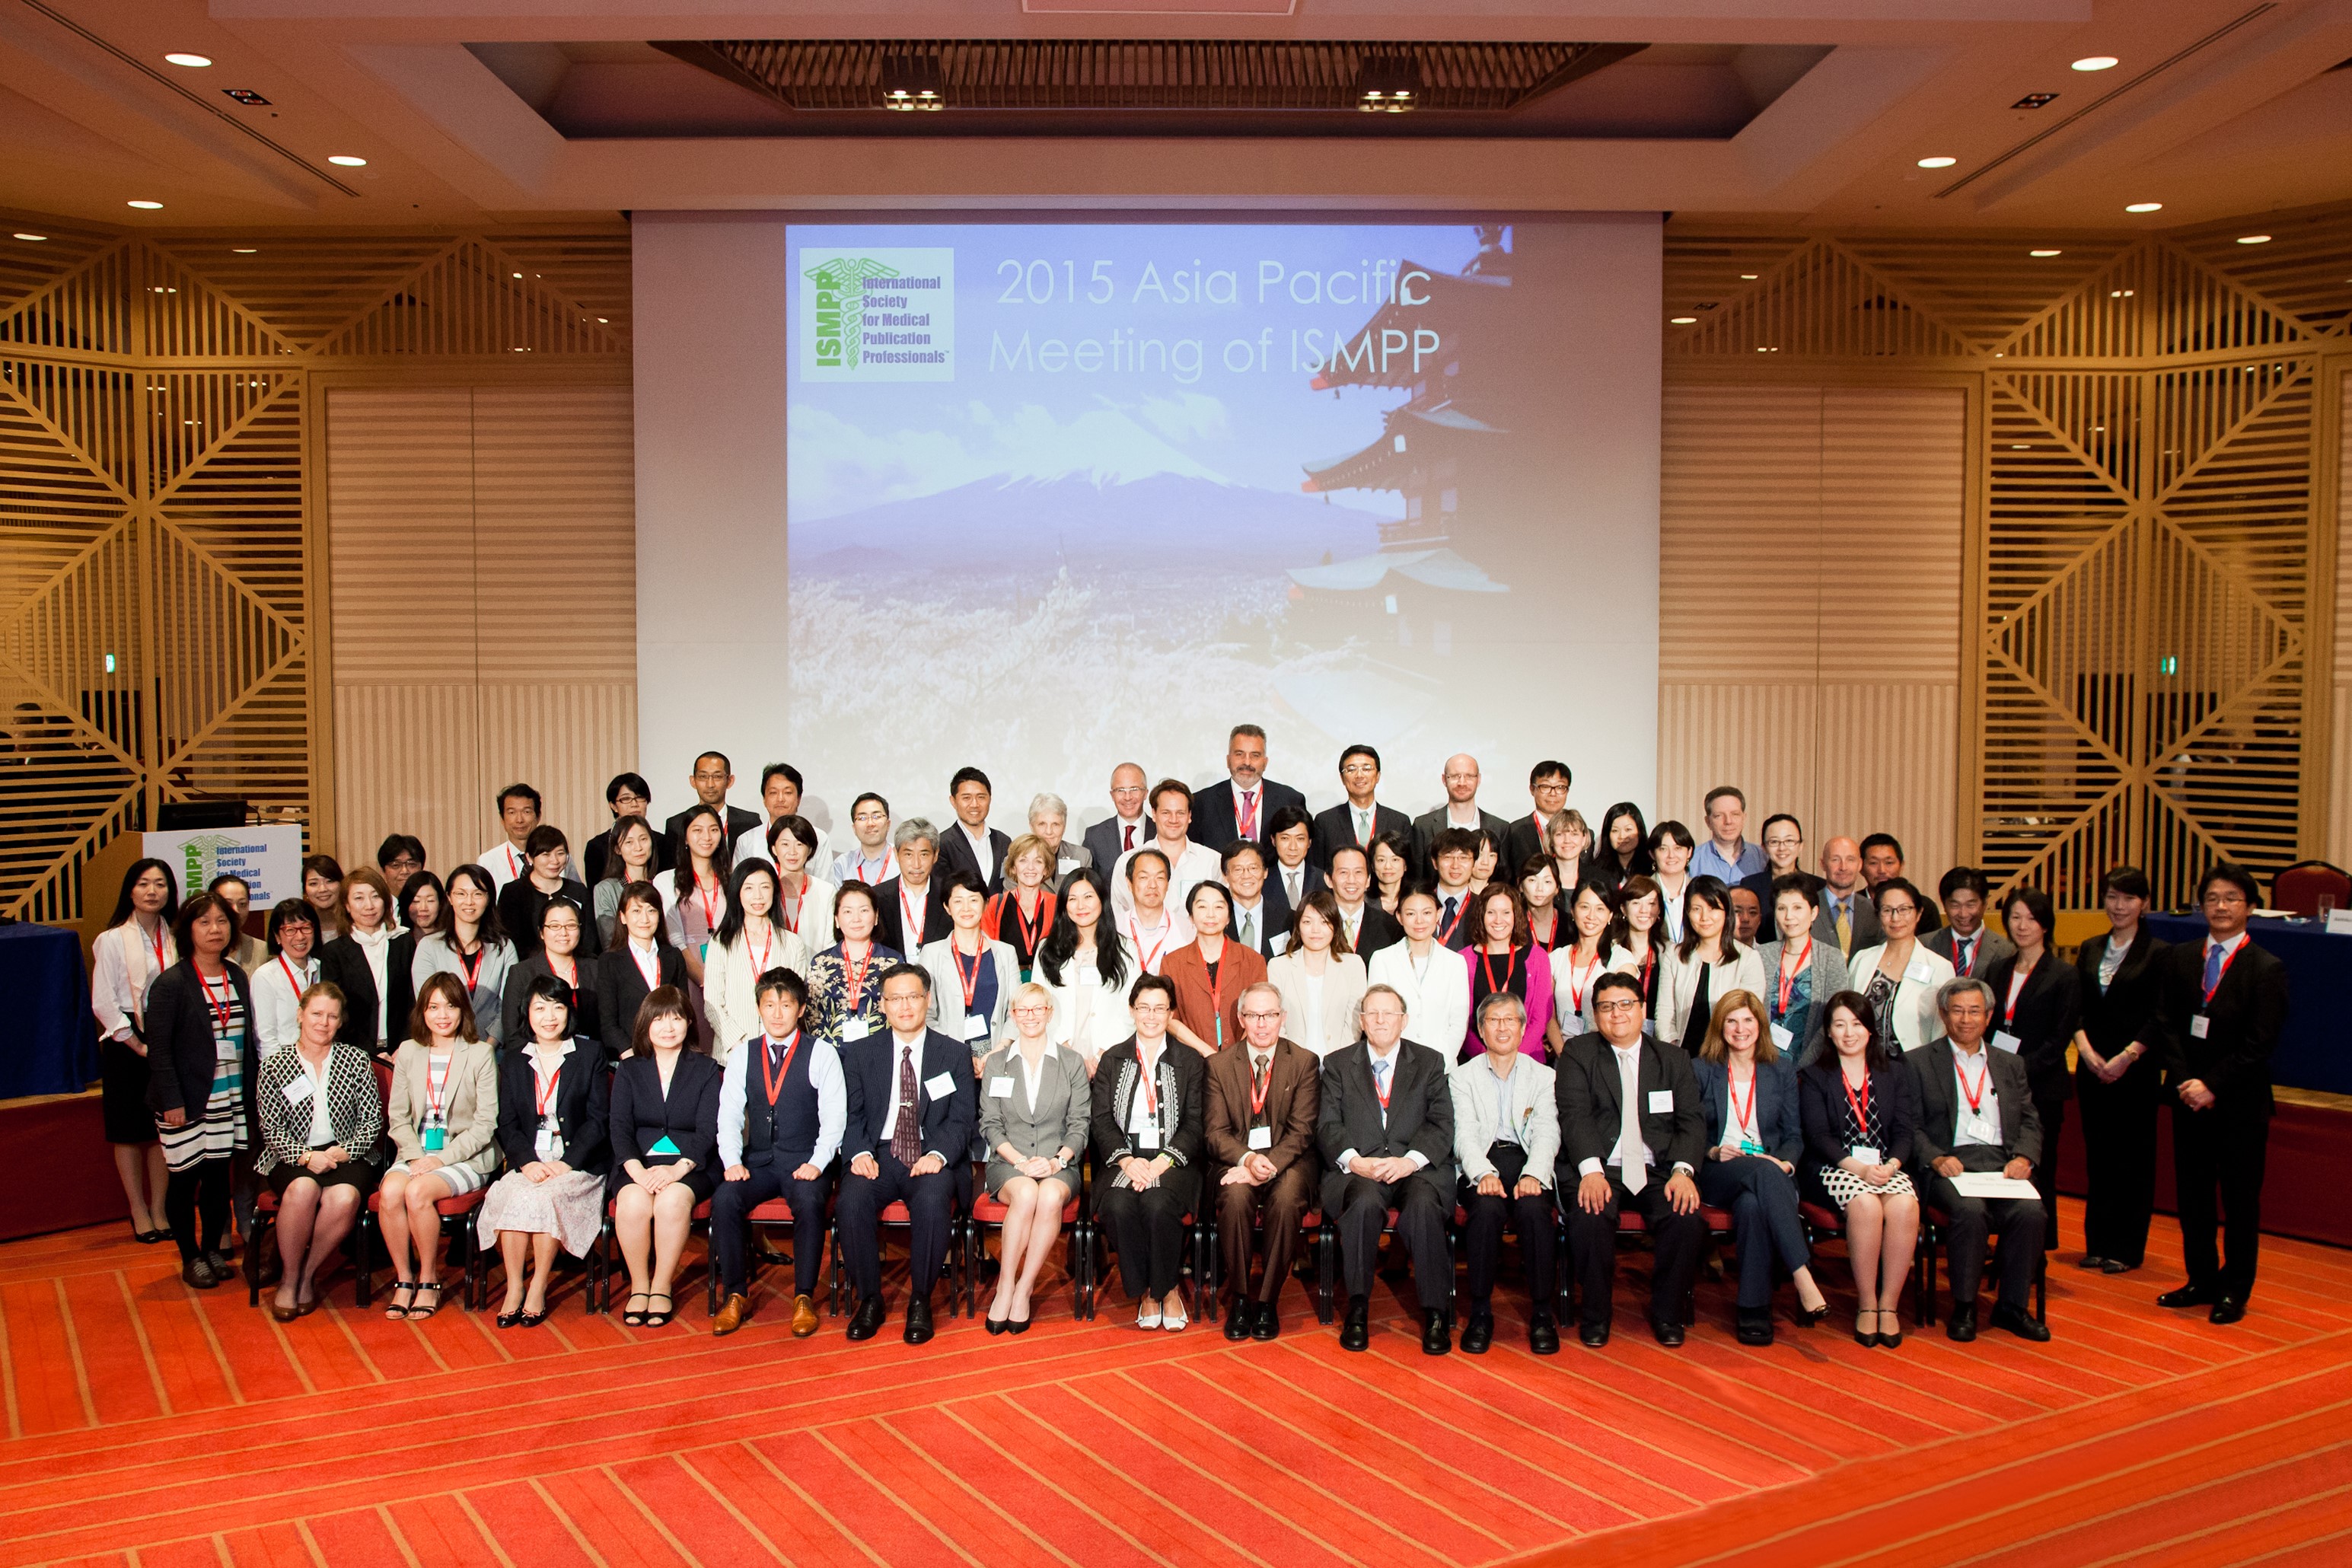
1359	818
913	1106
970	844
1242	807
1130	827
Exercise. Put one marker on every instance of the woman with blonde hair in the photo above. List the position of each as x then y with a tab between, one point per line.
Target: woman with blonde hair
1754	1139
320	1122
1034	1106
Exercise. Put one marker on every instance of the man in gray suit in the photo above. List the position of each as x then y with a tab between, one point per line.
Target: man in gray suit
1130	826
1386	1129
1976	1113
1461	810
1849	919
1972	950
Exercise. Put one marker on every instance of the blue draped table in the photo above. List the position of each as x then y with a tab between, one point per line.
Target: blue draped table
2315	1051
52	1038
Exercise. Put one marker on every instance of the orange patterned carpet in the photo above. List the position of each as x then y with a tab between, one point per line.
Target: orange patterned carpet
150	1424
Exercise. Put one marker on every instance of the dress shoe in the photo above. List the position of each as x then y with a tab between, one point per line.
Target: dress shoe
2090	1260
1963	1323
2116	1266
731	1313
918	1321
198	1274
1593	1335
1754	1326
1889	1337
1356	1330
2019	1322
995	1326
2188	1296
1479	1332
2229	1309
867	1323
1240	1319
1543	1334
223	1264
1436	1331
1269	1321
1668	1334
804	1316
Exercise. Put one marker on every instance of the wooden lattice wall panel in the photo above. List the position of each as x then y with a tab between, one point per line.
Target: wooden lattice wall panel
2146	535
162	602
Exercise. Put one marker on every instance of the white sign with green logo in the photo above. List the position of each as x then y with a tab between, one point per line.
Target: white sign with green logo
877	313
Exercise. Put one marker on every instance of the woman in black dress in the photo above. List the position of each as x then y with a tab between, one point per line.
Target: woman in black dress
664	1137
2118	1087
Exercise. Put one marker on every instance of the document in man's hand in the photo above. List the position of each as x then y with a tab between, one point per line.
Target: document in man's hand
1992	1185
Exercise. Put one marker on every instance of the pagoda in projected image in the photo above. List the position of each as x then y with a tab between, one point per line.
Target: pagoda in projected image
1433	568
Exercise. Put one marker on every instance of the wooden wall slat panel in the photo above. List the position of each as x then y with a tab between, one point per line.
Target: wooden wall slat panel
400	502
408	759
1890	763
555	510
567	739
1894	495
1758	737
1739	528
2339	792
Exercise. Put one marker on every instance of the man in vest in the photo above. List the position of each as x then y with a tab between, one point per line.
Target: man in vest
783	1104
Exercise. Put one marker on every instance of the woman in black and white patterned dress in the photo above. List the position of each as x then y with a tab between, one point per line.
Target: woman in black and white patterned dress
1861	1108
200	1057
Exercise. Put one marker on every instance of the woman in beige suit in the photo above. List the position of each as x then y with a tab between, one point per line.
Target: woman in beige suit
1035	1102
1320	981
444	1121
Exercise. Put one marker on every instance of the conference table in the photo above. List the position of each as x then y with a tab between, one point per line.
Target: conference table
2315	1051
53	1038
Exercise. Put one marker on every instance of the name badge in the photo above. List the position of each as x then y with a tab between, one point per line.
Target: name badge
298	1089
1782	1039
2002	1040
2197	1025
975	1026
1865	1152
939	1086
434	1138
1661	1101
663	1145
1148	1139
1749	1146
1261	1138
1917	970
1000	1088
544	1145
854	1029
1981	1128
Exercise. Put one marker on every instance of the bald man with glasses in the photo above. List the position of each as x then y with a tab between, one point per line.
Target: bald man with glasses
1263	1100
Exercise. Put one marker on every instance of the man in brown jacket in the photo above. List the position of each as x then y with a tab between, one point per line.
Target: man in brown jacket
1262	1103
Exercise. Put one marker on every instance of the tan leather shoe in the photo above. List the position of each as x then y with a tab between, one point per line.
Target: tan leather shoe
804	1316
731	1314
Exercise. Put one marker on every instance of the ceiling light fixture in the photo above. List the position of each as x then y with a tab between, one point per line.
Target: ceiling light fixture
2144	207
1747	278
2253	239
2043	253
1938	162
146	207
346	160
243	249
2097	63
193	62
35	238
1681	320
1387	84
247	96
2034	101
913	82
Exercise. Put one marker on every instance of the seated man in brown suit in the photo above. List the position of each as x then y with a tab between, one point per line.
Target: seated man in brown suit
1262	1104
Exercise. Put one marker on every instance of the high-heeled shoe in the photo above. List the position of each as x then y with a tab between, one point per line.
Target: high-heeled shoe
508	1320
995	1327
1886	1315
1806	1319
1866	1331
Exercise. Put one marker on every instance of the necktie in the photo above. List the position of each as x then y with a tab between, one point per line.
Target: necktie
1249	930
1127	839
1629	1131
1381	1082
1249	813
1450	906
905	1147
1363	828
1258	1066
1845	926
2212	966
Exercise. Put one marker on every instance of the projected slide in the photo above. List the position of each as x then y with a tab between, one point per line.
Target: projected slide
1062	494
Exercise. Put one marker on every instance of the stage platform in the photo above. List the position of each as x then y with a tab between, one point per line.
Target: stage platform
149	1425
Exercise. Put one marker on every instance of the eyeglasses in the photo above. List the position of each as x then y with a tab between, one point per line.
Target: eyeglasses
628	798
1030	1009
1259	1017
559	927
1600	1007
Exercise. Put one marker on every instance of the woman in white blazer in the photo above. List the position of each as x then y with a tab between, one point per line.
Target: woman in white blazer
792	844
1899	978
1430	976
972	978
1089	968
752	938
1320	981
1704	967
1581	958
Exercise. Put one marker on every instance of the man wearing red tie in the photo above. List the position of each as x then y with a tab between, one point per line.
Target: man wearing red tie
1245	806
1262	1105
1128	827
2221	1004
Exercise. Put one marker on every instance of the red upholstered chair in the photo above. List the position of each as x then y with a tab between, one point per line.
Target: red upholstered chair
1934	1224
2298	888
1077	1227
896	1214
1196	1236
606	1266
774	1212
1326	1260
1310	1224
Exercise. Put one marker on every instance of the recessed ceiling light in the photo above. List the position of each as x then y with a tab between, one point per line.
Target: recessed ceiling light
2253	239
2042	253
2097	63
1747	278
347	160
193	62
1938	162
1681	320
2144	207
146	207
243	249
35	238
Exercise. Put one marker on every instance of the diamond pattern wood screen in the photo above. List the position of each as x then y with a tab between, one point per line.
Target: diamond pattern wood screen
2151	633
161	593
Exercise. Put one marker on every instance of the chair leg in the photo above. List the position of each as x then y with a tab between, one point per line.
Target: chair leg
1325	1246
362	1252
252	1259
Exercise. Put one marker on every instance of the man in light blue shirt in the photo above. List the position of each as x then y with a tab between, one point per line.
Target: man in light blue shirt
1726	854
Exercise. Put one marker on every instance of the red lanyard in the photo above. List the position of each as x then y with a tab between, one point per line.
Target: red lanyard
571	979
1575	992
1258	1092
471	967
767	946
293	983
160	965
1648	961
967	977
1152	958
1029	933
2230	958
775	1076
1460	908
791	907
889	870
1544	940
650	967
1976	950
543	1088
1976	1096
708	897
1385	1087
514	867
855	982
435	1087
1510	967
2017	980
1860	1106
910	918
1789	973
1150	1088
1245	815
1742	1118
224	1006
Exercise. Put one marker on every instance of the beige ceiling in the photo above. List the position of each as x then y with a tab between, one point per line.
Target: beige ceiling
2254	119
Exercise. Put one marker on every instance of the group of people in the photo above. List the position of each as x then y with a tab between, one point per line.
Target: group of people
1214	1007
